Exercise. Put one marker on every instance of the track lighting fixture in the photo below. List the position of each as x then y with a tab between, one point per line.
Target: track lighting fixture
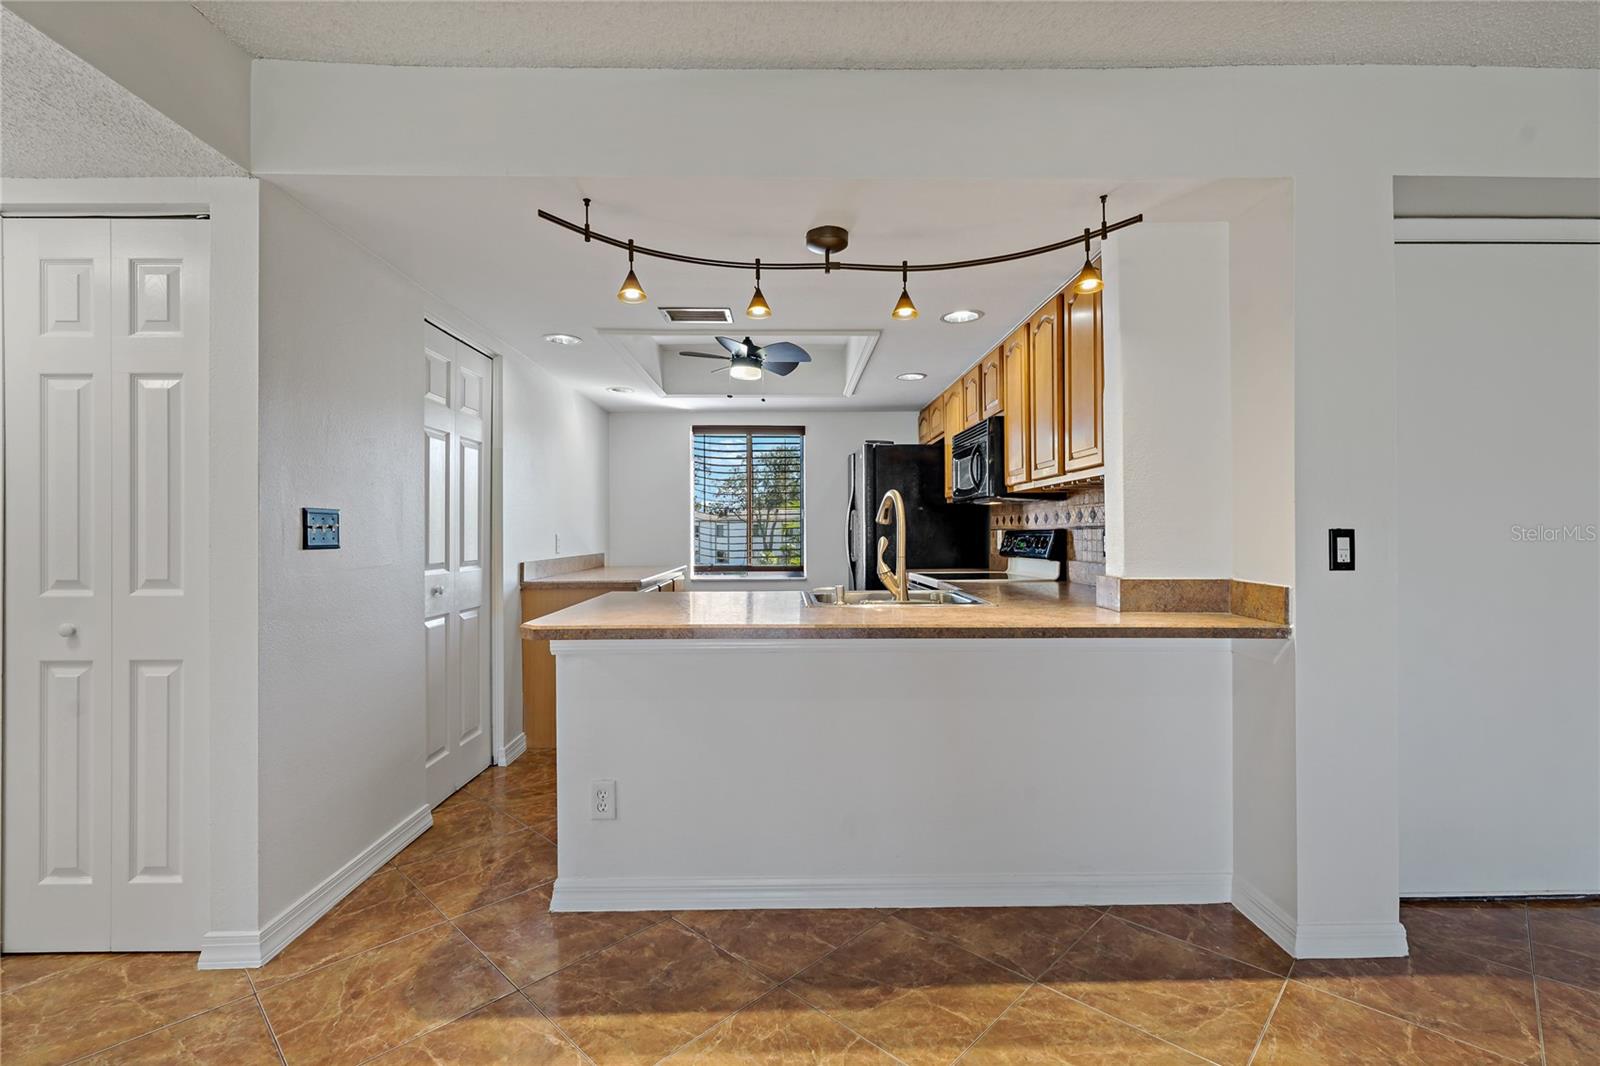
758	303
903	307
828	241
631	291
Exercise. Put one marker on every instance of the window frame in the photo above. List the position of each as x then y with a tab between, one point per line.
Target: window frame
728	572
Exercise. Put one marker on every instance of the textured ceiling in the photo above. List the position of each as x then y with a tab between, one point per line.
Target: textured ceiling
916	34
62	118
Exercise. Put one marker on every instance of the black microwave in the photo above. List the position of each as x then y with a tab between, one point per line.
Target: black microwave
977	462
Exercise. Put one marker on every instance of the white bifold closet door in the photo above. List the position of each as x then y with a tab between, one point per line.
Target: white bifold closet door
457	412
106	685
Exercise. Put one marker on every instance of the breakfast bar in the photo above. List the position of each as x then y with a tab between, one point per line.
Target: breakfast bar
758	751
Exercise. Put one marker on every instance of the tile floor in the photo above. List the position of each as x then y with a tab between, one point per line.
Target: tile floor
449	955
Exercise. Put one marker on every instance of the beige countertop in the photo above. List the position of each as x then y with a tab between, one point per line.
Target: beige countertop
620	578
1024	609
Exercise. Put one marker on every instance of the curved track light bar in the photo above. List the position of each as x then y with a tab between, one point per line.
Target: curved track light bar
590	234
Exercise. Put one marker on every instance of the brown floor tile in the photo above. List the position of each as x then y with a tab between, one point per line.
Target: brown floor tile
546	829
779	1030
384	907
236	1035
1570	1018
354	1009
1497	932
1470	999
19	971
509	1030
89	1008
1026	939
919	998
639	1000
1045	1028
456	826
1215	926
522	778
1310	1028
779	943
1199	1000
1571	967
527	942
479	874
530	810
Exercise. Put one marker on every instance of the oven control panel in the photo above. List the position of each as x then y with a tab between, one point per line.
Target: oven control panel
1031	543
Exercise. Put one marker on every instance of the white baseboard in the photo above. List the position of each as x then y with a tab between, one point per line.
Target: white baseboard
748	893
1264	913
243	949
1350	940
512	751
1319	940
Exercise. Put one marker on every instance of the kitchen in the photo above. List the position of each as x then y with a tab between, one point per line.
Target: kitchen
1211	704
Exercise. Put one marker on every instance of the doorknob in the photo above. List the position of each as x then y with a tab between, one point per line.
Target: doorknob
437	590
67	629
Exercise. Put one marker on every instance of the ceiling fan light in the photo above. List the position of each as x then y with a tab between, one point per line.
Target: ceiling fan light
631	291
758	306
745	369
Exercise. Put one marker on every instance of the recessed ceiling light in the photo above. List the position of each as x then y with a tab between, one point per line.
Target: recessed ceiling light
912	375
962	315
618	388
562	338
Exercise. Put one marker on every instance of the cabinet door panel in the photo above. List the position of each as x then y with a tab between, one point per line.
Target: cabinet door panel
971	398
1045	393
1014	369
953	425
1085	382
992	385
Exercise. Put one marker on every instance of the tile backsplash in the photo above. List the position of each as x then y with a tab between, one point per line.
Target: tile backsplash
1082	514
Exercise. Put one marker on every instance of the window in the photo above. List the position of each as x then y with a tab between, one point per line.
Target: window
749	500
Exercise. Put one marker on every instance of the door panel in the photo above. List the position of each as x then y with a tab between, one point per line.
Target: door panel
1085	374
160	354
1014	368
457	402
58	625
1044	391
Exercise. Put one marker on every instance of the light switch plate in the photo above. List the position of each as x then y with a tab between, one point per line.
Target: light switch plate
1341	549
319	528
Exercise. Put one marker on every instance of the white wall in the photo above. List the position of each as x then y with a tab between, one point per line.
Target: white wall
1167	407
1261	330
895	772
554	470
1499	434
341	640
651	475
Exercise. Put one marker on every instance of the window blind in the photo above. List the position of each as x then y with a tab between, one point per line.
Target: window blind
749	499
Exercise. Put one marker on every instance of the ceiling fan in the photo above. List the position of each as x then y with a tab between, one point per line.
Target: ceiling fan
746	359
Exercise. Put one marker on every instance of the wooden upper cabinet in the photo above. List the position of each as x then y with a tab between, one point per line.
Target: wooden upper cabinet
1014	377
992	385
953	425
1045	392
930	421
971	397
1085	382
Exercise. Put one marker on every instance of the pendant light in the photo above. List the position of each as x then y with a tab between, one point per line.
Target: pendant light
758	303
903	307
1089	278
631	291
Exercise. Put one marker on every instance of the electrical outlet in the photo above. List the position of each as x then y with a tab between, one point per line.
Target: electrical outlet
1341	549
558	543
603	801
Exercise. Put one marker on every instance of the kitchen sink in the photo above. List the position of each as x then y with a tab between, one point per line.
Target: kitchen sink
839	596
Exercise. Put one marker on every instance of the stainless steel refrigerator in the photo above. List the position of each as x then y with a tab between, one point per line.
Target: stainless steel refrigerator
939	535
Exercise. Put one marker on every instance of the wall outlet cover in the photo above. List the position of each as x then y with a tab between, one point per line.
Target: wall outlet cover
1341	549
319	528
603	800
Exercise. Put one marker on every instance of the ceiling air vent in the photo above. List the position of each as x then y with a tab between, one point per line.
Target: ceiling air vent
721	316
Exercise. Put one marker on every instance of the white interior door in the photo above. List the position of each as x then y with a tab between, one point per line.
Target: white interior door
106	686
456	413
